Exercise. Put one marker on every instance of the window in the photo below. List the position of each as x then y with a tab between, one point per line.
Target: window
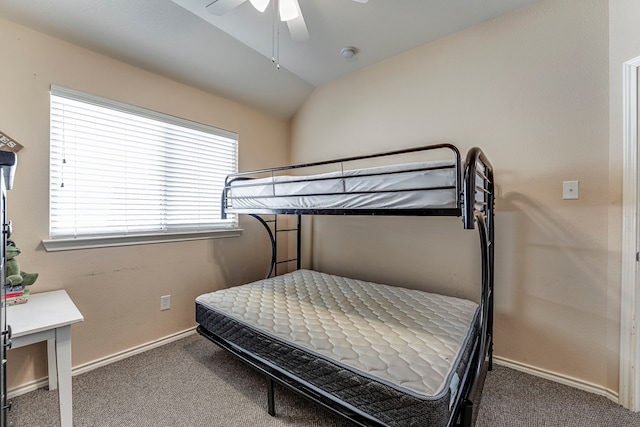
121	174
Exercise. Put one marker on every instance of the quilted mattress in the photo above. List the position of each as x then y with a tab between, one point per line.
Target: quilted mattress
403	186
392	354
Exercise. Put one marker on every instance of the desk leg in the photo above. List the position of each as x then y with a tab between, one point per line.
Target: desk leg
63	354
52	364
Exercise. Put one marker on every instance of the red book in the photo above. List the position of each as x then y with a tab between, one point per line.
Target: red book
14	294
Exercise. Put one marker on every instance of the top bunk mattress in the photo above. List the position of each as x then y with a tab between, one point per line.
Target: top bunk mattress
409	340
424	185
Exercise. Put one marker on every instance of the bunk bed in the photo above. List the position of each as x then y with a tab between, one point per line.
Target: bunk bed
375	354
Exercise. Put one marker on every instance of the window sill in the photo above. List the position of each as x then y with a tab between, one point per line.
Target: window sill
55	245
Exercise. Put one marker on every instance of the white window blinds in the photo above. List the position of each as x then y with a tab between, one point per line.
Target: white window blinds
119	170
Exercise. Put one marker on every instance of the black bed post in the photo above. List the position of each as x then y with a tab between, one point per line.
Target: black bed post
472	175
271	402
491	232
489	211
298	243
479	212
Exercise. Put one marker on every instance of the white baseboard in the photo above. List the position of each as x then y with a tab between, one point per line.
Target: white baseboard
98	363
559	378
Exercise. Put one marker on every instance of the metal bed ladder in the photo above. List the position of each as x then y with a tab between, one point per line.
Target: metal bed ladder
273	230
271	226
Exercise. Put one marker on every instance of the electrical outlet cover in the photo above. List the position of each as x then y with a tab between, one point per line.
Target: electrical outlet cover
570	190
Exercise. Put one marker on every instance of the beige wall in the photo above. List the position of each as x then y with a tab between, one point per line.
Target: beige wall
532	89
117	289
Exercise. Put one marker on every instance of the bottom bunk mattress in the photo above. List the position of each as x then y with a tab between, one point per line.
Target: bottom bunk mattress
391	355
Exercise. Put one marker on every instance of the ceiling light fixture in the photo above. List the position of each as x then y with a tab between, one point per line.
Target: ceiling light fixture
288	9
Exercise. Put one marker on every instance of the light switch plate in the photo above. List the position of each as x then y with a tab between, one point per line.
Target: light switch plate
165	302
570	190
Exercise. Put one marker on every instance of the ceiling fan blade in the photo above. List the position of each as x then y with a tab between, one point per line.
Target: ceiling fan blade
220	7
298	29
289	9
260	5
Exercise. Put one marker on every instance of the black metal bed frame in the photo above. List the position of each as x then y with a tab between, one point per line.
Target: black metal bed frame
475	204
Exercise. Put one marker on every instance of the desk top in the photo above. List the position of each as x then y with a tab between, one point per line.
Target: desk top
43	311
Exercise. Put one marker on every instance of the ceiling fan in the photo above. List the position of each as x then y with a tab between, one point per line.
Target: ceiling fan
289	11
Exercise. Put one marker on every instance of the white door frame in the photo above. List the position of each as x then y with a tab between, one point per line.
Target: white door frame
629	392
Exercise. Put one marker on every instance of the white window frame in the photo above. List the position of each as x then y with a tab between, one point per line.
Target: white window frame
83	241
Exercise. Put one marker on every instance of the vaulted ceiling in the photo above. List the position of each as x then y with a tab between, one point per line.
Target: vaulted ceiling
231	55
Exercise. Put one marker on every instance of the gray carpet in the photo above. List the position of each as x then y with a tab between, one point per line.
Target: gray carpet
191	382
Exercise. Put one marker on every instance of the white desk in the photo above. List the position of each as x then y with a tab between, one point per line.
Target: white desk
48	316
